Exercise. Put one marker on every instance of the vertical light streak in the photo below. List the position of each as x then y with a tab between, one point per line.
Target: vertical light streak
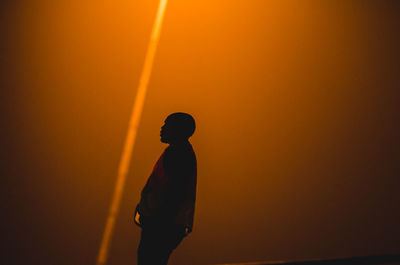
131	134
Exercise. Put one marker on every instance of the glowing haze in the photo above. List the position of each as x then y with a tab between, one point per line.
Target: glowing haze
297	111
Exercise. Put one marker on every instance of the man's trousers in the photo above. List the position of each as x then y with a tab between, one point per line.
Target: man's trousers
157	243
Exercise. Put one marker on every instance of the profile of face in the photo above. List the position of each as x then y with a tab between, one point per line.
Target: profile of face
167	132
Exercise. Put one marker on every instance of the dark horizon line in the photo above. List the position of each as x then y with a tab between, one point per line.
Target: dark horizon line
360	260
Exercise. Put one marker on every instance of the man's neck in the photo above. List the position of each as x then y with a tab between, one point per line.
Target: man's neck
179	142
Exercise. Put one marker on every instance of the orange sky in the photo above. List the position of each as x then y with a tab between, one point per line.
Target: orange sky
297	110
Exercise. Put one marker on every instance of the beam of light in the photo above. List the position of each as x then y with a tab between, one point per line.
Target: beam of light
131	135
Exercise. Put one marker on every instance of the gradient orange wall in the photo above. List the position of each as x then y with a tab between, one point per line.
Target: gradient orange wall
296	104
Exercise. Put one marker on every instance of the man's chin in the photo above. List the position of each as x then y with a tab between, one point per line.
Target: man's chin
163	140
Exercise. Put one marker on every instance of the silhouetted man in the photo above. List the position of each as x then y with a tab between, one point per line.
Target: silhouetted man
166	208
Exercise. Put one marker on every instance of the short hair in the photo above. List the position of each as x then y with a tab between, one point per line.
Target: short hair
183	123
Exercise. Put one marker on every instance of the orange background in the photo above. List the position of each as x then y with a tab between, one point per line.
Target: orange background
297	110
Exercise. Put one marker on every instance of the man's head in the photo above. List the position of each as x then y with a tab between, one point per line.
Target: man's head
177	127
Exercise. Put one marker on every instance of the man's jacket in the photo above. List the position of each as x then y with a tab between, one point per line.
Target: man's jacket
170	192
